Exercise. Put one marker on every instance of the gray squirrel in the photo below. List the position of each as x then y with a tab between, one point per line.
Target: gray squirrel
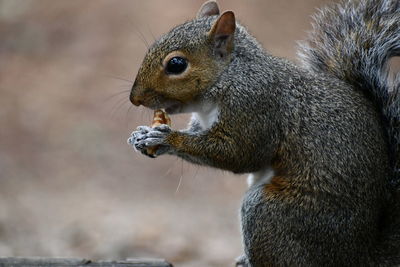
320	140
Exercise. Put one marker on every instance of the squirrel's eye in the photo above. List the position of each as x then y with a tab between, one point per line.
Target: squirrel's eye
176	65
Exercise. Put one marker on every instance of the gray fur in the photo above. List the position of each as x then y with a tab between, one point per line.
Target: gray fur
354	41
318	126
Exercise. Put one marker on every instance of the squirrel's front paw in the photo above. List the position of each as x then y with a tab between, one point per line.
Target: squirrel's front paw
146	137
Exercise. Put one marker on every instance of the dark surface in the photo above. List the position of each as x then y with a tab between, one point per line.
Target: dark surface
48	262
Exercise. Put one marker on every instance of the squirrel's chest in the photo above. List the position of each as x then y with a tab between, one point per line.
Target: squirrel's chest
207	115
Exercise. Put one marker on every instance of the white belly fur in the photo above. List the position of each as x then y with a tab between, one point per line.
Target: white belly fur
263	176
207	115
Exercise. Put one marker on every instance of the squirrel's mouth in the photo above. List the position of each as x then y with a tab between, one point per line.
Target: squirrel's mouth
173	108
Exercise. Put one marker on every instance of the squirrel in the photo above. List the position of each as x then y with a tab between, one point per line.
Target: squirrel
320	139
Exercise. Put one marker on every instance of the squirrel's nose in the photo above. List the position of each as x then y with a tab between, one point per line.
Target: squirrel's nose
136	100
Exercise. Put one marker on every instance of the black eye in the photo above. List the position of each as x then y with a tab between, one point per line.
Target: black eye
176	65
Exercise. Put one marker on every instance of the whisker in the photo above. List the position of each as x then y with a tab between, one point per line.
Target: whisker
141	114
149	114
126	116
118	102
124	86
180	179
117	106
142	37
195	174
119	78
151	33
116	94
170	169
123	103
121	107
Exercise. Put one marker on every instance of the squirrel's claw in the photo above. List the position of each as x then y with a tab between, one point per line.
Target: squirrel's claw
143	129
149	142
146	137
155	134
134	138
163	128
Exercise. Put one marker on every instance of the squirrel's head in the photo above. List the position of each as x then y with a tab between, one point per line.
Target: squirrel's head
186	61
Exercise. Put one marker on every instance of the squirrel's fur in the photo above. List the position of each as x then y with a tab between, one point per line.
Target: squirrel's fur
354	41
321	140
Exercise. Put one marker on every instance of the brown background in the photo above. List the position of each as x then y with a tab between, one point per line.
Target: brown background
69	183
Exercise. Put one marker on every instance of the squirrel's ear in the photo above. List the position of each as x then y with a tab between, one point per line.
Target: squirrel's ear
222	33
209	8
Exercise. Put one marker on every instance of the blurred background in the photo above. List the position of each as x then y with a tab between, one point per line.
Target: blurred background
70	186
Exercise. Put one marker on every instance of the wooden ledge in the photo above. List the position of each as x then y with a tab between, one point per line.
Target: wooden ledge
73	262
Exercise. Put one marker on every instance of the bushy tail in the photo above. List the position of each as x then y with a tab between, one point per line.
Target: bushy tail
353	41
